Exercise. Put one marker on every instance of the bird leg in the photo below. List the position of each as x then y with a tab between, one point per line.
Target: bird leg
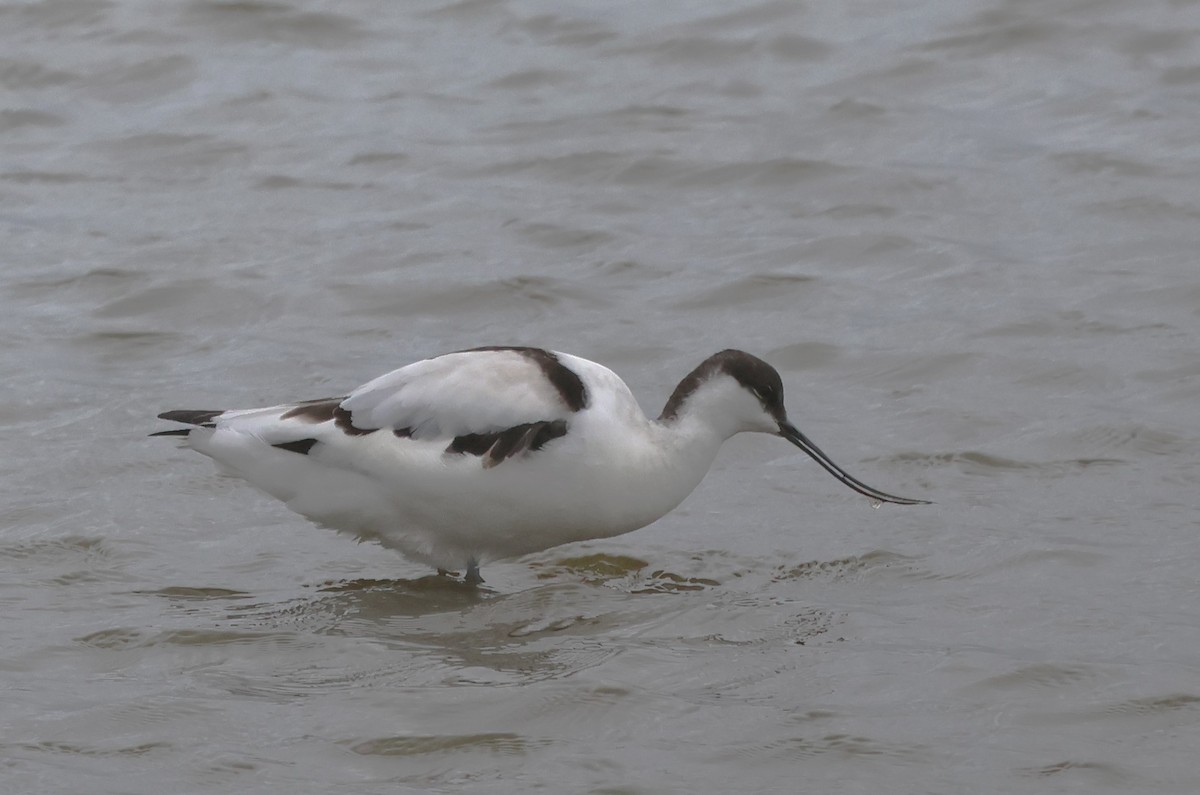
472	577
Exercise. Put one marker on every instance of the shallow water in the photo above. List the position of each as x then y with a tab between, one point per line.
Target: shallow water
966	233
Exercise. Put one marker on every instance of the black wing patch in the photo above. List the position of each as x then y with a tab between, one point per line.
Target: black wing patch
202	418
571	389
318	411
314	411
301	446
502	445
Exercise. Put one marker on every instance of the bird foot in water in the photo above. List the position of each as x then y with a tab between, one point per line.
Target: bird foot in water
472	577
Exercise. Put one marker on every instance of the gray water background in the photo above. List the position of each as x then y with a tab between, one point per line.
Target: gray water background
966	232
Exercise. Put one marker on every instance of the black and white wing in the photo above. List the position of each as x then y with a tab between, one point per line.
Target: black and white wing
495	403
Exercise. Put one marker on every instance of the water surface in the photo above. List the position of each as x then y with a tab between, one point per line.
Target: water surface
965	232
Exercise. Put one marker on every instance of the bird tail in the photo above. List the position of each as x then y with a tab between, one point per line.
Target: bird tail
203	418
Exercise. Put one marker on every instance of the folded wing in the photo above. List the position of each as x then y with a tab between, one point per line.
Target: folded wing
494	403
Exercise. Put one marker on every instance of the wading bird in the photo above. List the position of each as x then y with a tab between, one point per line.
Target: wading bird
496	452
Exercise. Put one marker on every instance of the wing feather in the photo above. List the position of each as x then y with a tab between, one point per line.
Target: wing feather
459	394
492	403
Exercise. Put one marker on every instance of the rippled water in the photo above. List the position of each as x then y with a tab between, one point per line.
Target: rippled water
966	232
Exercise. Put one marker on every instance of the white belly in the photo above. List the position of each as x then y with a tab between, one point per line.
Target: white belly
447	510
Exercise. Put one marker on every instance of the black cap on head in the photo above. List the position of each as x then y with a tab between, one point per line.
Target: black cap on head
758	377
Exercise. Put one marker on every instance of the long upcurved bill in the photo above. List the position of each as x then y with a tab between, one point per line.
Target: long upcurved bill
793	435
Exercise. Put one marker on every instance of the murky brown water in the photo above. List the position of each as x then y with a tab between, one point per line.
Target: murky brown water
966	232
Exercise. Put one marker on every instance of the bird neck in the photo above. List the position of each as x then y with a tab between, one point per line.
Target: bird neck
676	456
701	412
689	440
